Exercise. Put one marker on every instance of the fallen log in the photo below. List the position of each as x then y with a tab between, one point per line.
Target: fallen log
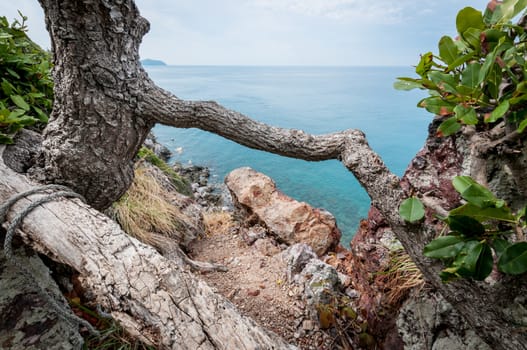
152	297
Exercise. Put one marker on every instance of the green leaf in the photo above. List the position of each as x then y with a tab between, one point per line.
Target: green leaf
500	245
469	18
472	37
407	85
513	260
470	76
7	87
5	140
15	114
436	105
465	225
13	73
425	64
461	60
447	50
448	127
507	10
412	210
444	247
478	261
484	214
473	192
493	80
43	117
518	8
26	120
498	112
19	101
522	126
466	114
444	81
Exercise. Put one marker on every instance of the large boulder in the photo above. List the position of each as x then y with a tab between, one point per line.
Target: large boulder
289	220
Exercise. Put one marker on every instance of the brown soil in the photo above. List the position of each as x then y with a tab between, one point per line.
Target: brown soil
257	285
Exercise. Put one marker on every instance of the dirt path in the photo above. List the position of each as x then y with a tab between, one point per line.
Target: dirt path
257	285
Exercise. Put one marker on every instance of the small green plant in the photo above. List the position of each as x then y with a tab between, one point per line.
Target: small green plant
478	228
26	89
182	184
479	77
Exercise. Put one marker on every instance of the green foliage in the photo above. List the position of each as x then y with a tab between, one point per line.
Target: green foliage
464	79
412	210
478	228
182	184
26	89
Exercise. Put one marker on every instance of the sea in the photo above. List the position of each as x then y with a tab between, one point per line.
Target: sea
317	100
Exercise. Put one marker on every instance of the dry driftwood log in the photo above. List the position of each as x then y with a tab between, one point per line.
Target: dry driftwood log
150	296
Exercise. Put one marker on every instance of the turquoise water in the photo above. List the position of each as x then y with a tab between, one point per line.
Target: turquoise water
314	99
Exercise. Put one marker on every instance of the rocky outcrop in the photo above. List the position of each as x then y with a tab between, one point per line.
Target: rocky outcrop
288	220
430	172
429	322
319	282
206	193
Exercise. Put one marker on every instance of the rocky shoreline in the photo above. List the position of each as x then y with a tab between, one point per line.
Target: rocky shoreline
350	298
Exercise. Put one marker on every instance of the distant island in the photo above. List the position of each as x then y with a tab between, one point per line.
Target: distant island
150	62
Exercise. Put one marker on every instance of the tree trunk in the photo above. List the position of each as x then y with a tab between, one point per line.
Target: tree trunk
150	296
105	105
95	129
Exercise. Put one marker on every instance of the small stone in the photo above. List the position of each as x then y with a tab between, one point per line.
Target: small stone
253	292
266	247
232	293
308	325
262	286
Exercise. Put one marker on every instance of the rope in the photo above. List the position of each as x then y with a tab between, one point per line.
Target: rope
60	309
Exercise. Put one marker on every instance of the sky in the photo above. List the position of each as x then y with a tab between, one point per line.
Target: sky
283	32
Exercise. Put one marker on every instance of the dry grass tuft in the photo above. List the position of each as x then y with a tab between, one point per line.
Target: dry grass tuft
145	208
218	222
401	277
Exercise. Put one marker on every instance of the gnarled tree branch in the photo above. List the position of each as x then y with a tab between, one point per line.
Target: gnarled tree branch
349	146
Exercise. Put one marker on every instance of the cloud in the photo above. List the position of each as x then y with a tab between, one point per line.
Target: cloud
378	11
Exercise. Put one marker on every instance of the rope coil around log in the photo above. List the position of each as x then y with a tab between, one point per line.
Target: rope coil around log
63	192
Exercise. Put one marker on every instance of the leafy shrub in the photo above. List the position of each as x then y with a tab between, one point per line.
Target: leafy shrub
478	231
478	77
26	89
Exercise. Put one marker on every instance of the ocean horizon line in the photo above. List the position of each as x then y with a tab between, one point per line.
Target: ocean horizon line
280	66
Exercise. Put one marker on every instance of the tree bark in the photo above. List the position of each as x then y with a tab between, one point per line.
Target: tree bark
27	321
105	105
95	128
152	297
